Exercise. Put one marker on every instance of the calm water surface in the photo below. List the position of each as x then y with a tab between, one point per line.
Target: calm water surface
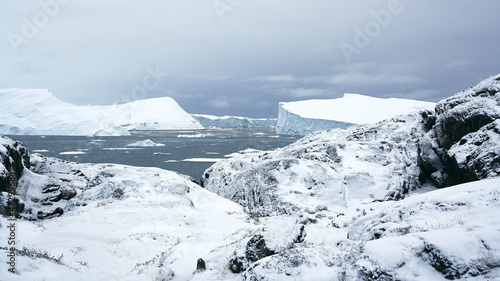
179	153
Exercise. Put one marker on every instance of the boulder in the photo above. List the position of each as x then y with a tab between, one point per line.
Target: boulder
200	265
257	249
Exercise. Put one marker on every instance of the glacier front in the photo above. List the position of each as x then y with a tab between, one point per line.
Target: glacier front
304	117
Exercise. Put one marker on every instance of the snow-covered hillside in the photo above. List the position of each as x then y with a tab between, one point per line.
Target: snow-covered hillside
114	222
356	204
340	168
38	112
357	167
304	117
209	121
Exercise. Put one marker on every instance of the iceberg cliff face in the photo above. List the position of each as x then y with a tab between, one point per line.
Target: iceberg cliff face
290	123
304	117
38	112
233	121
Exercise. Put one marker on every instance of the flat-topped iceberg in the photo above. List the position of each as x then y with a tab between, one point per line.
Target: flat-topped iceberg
304	117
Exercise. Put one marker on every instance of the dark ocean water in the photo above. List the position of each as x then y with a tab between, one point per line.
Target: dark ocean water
214	143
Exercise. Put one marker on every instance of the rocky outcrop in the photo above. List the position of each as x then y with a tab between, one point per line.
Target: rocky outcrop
365	163
467	132
257	249
359	167
14	158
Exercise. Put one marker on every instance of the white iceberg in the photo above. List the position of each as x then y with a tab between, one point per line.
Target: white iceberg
38	112
212	121
304	117
145	143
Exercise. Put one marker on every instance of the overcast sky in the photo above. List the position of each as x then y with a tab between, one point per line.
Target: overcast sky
242	57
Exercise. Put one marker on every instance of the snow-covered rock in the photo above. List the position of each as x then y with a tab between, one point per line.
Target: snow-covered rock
14	158
444	234
211	121
362	164
116	222
38	112
363	182
468	130
304	117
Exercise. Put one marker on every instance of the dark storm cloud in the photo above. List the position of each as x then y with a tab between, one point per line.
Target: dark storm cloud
242	57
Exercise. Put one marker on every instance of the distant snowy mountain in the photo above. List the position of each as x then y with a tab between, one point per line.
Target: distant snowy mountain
38	112
357	204
304	117
209	121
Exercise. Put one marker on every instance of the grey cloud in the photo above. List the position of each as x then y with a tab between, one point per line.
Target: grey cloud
260	53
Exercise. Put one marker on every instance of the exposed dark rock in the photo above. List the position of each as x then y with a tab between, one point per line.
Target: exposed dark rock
99	179
467	129
375	275
428	119
118	193
55	213
302	235
11	205
450	269
286	265
68	193
200	264
257	249
430	163
237	264
51	188
13	161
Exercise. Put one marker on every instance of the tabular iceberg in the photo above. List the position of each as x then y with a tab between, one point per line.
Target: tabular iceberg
304	117
38	112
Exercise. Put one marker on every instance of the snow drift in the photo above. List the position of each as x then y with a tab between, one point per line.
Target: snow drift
38	112
304	117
